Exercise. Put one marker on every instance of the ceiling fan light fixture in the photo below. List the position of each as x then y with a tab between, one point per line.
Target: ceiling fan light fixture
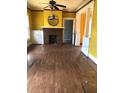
54	6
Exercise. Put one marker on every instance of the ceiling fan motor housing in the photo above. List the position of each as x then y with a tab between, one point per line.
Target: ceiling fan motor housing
52	3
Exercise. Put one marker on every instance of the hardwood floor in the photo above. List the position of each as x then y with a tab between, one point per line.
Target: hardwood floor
59	69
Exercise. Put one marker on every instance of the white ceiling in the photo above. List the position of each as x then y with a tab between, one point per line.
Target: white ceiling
71	5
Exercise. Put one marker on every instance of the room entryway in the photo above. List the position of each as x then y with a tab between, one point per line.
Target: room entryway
68	31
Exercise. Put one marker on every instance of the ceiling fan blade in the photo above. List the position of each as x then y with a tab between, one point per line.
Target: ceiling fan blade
56	8
46	7
61	5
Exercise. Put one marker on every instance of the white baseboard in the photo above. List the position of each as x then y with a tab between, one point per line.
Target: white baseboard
93	58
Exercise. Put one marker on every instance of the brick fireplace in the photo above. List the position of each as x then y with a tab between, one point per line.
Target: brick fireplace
53	35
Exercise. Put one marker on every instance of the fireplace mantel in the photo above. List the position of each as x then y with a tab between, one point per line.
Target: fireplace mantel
51	27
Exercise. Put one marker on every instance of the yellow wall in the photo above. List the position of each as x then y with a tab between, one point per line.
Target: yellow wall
82	27
68	14
40	18
30	20
37	19
47	13
93	40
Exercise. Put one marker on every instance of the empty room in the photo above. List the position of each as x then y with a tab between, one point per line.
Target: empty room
62	46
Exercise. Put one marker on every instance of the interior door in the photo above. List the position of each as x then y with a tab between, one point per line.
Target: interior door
68	30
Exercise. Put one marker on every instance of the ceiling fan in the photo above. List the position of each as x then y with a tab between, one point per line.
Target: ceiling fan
53	5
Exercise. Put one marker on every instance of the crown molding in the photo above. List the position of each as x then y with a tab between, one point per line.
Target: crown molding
49	10
29	9
83	5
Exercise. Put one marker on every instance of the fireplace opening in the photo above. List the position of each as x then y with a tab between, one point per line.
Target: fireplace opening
52	39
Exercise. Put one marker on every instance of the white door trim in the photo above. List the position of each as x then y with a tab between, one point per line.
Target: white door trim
70	18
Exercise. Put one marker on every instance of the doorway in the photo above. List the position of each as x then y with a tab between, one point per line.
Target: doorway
68	33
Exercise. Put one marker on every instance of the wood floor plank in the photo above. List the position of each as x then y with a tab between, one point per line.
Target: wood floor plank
59	69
